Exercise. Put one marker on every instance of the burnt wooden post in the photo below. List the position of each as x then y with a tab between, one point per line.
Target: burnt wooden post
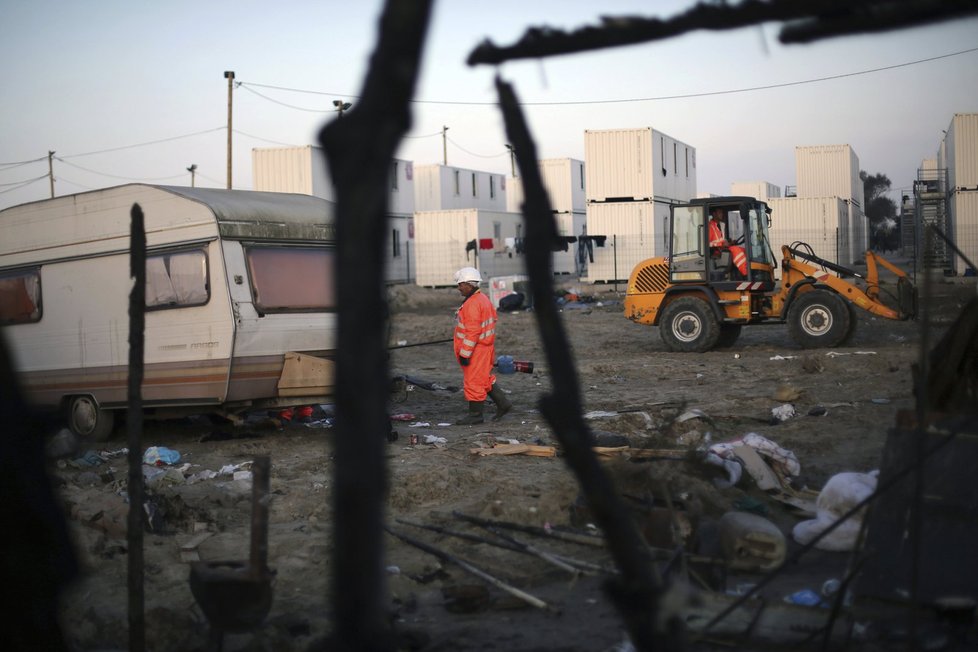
359	149
134	429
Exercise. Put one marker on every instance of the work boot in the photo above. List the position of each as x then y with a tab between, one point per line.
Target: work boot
503	405
474	416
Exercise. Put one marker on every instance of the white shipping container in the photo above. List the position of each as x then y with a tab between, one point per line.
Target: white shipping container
441	187
634	231
638	164
820	222
962	151
563	179
858	236
304	170
569	225
828	170
964	221
445	241
762	190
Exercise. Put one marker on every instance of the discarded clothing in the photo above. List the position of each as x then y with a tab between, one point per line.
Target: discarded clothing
840	494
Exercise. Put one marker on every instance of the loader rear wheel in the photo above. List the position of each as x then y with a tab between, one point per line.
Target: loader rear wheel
819	318
689	324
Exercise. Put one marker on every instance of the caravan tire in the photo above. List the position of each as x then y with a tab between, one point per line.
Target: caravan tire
87	420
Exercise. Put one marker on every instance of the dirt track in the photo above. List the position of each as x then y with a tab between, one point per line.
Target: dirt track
631	386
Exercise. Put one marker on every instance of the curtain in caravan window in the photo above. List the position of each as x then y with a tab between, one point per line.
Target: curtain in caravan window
188	273
292	278
176	280
159	289
20	297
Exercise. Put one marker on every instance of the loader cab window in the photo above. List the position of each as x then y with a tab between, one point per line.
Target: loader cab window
20	296
177	279
759	247
292	279
687	245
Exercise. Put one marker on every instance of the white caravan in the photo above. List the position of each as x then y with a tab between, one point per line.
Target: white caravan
240	301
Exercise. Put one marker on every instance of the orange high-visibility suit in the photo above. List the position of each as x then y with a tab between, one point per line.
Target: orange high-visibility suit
737	254
475	341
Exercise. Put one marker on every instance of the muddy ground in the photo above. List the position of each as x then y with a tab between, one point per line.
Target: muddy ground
631	386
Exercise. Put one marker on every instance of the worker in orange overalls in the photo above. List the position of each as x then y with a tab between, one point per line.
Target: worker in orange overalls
718	243
475	348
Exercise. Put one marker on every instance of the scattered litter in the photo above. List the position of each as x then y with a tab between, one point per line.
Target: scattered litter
597	414
805	597
159	455
444	424
736	356
782	412
818	411
865	352
841	493
393	570
692	413
516	449
404	416
90	458
733	469
432	439
781	459
880	401
402	342
751	542
783	357
420	424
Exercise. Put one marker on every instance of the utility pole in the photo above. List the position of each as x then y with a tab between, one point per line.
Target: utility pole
192	169
51	171
444	145
229	75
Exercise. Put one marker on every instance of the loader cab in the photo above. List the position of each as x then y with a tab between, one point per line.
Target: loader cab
721	241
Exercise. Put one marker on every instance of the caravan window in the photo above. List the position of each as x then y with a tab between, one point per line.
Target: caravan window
20	296
177	279
286	279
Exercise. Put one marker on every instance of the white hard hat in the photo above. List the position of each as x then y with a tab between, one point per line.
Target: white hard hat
468	275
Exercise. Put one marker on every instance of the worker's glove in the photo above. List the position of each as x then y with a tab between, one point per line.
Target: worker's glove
464	361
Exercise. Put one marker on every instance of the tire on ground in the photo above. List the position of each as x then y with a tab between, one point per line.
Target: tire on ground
819	318
689	324
87	420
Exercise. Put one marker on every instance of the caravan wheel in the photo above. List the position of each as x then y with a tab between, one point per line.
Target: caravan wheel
86	419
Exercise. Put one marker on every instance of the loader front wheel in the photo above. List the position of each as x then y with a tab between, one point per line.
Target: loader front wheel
819	318
689	324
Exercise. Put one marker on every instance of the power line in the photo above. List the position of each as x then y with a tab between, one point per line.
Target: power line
112	176
473	153
22	184
625	100
9	166
267	140
150	142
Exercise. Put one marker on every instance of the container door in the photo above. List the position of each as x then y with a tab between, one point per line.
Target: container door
687	253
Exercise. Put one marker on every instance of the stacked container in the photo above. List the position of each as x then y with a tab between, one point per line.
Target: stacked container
563	179
441	187
833	170
303	170
451	239
633	176
820	222
960	148
761	190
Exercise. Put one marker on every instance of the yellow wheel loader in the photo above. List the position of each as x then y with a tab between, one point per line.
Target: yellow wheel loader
719	276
